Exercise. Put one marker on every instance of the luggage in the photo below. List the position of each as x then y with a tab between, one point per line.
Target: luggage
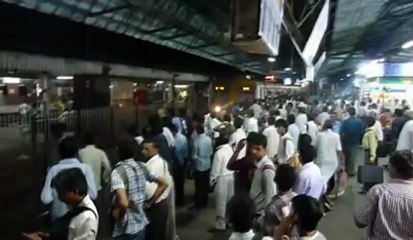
370	174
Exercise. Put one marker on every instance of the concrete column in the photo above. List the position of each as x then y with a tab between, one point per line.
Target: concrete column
309	73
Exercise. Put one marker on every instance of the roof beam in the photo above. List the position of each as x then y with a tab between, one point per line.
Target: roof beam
109	10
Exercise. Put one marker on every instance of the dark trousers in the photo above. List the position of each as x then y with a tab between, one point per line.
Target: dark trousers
350	154
201	188
179	179
157	216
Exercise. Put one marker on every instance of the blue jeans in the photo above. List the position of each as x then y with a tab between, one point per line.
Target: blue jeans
137	236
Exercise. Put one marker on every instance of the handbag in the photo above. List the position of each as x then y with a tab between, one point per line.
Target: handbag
370	174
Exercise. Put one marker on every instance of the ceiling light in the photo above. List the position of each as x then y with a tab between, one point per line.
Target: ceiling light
271	59
64	77
341	79
159	82
408	44
135	84
287	69
181	86
348	75
248	77
11	80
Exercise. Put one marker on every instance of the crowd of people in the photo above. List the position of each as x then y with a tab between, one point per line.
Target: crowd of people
273	169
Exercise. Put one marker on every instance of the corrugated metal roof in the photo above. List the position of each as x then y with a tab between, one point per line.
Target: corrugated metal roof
169	23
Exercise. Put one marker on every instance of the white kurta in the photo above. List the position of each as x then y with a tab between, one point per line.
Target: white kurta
328	143
158	166
224	179
294	132
237	136
252	125
312	132
301	122
405	141
273	139
379	131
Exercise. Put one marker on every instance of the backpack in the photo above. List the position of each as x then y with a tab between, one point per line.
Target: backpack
60	229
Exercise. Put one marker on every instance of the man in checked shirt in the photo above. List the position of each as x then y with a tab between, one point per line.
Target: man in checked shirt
388	210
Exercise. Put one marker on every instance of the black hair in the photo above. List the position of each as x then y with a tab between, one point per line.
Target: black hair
226	117
173	128
58	129
285	177
370	121
70	180
351	111
242	211
328	124
363	103
200	129
271	120
257	139
171	112
250	113
238	122
398	112
402	162
89	138
221	140
307	153
126	148
308	211
153	141
291	118
281	123
68	148
277	113
304	141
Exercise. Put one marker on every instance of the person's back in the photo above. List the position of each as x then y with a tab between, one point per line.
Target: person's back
67	151
352	131
387	212
273	138
96	159
241	220
405	138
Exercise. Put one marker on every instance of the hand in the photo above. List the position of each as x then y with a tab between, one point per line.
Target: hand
241	144
32	236
285	227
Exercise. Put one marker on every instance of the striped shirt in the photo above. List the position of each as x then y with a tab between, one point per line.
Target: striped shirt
388	211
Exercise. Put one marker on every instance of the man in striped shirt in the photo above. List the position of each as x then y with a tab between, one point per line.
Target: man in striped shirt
388	210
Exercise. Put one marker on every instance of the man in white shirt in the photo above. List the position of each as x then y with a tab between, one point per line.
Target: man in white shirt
286	148
97	160
222	180
273	138
405	141
166	122
312	130
252	123
72	188
68	151
293	129
257	109
310	181
262	185
159	214
301	119
322	117
238	135
377	126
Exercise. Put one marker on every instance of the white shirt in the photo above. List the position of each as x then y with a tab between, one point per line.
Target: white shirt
24	108
220	161
96	159
242	236
49	195
169	137
379	130
405	141
252	125
273	139
322	117
85	225
237	136
257	109
312	132
159	167
328	144
294	132
286	148
310	182
301	122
